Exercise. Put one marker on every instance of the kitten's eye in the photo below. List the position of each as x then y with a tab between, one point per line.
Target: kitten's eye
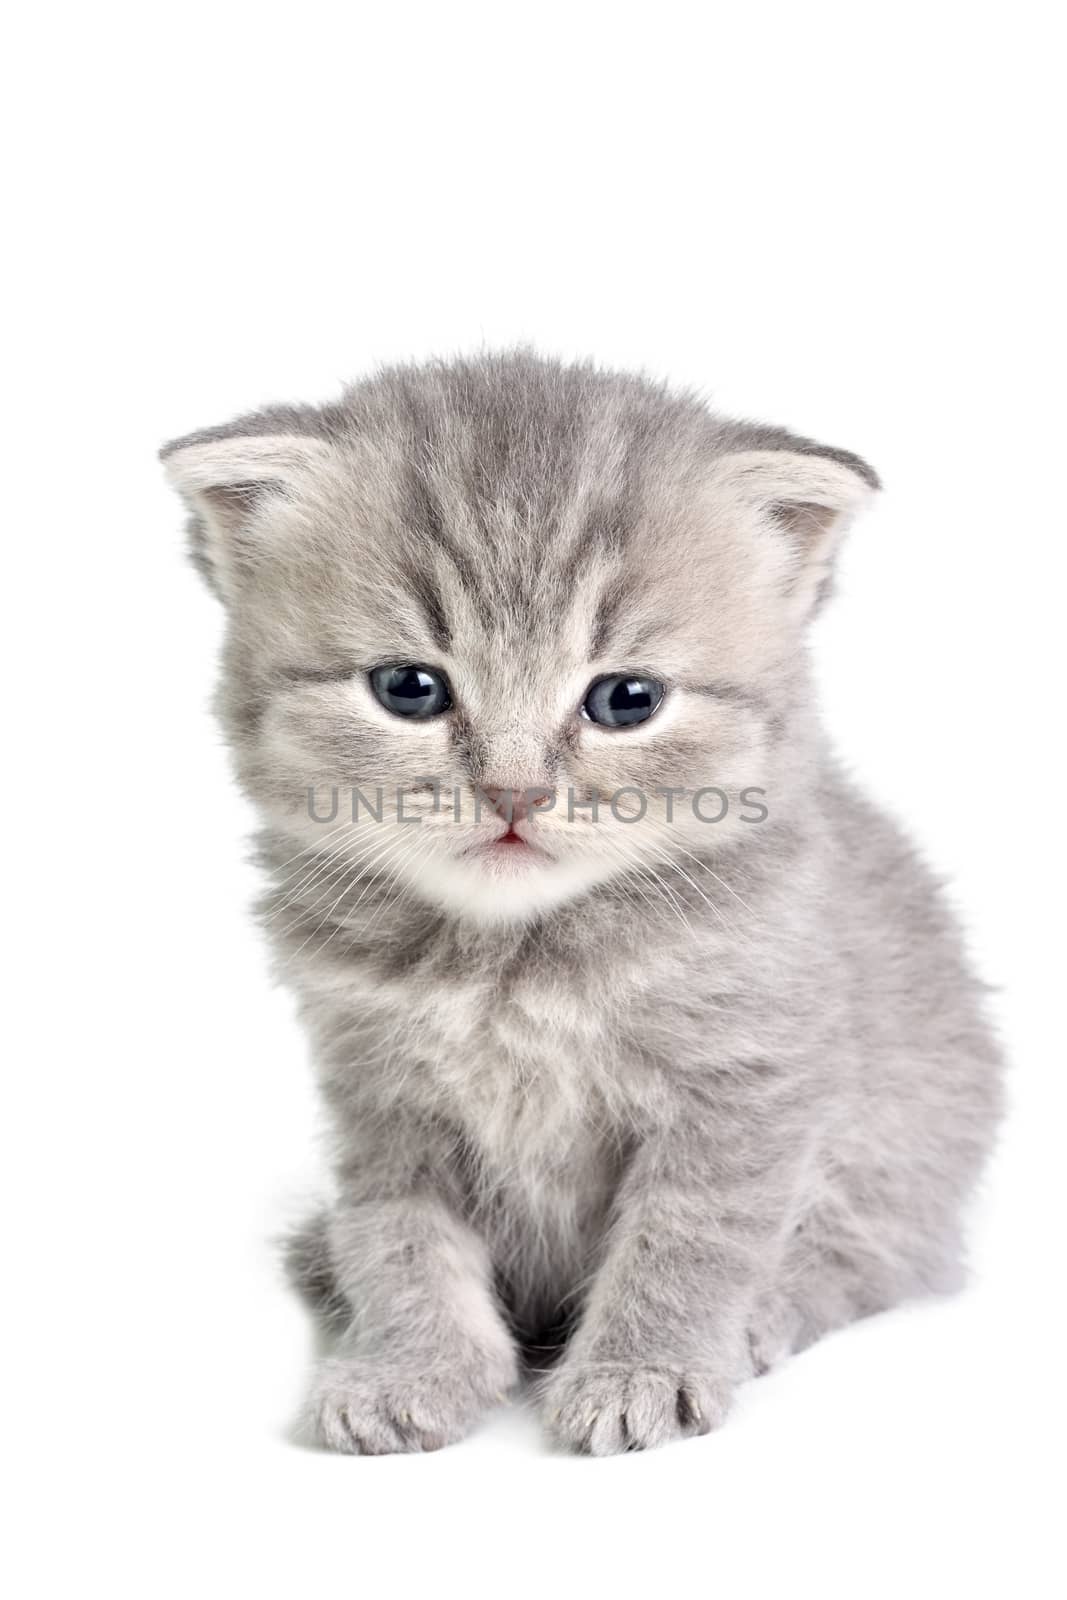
411	691
617	702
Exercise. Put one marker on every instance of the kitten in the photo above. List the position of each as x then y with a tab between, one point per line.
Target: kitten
661	1093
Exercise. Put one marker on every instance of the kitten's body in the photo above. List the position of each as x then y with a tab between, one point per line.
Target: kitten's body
537	1056
698	1094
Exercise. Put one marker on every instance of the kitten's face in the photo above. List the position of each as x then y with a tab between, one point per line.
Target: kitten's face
512	616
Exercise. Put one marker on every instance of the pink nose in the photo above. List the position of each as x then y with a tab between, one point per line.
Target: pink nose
514	804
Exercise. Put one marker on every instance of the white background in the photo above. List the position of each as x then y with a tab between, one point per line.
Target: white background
843	219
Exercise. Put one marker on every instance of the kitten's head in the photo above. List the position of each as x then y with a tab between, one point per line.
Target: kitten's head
532	599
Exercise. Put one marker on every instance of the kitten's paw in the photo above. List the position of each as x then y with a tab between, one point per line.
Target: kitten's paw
371	1407
602	1408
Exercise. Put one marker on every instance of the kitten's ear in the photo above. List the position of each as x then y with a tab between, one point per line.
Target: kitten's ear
808	498
227	483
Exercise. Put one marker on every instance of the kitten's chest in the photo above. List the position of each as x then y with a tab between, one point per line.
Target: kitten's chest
538	1086
537	1068
536	1073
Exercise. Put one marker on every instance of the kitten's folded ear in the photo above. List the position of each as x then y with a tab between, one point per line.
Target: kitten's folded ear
808	497
228	483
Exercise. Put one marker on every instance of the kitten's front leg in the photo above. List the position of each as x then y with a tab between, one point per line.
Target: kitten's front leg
663	1342
427	1352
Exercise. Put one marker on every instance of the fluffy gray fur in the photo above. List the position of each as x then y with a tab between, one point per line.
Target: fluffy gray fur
664	1100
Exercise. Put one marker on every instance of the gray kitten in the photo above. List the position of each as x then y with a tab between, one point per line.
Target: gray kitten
648	1041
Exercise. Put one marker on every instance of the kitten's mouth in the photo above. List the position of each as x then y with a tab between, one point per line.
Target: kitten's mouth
511	845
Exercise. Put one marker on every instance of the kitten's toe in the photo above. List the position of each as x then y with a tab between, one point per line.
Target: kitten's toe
602	1409
366	1407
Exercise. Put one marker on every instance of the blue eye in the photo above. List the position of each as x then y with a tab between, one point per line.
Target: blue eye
620	702
411	691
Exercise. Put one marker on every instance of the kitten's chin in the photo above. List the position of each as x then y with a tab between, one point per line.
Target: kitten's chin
505	885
